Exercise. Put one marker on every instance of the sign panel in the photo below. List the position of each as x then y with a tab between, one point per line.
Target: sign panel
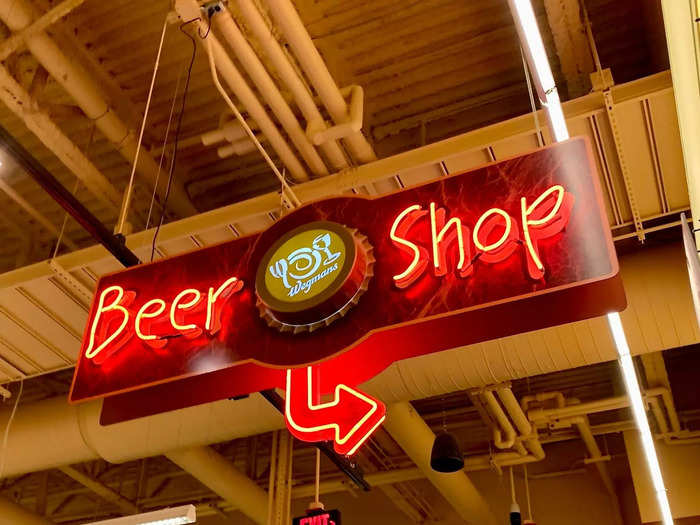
351	284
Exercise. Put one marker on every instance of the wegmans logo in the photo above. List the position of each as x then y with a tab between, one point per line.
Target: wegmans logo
307	266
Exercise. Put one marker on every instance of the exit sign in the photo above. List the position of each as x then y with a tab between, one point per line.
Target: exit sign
319	517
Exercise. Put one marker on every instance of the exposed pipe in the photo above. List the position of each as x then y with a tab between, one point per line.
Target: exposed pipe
504	425
584	428
18	15
289	76
516	413
103	491
243	92
238	148
415	437
225	24
217	473
20	102
51	16
12	513
312	63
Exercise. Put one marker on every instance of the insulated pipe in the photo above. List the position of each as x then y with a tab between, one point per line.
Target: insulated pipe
219	474
243	92
273	50
312	63
18	15
415	437
12	513
225	24
52	433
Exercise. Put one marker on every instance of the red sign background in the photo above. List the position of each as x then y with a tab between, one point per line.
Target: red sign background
389	324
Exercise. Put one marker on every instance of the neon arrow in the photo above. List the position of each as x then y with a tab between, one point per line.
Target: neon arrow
348	420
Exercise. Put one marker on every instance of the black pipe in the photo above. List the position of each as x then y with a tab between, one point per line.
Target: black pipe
117	247
67	201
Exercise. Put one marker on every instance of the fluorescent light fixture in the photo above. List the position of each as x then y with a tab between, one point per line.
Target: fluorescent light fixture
173	516
530	36
640	415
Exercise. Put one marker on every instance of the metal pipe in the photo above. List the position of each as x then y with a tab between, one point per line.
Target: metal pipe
19	15
21	103
289	76
504	425
529	435
243	92
415	437
224	23
51	16
219	474
581	423
312	63
66	199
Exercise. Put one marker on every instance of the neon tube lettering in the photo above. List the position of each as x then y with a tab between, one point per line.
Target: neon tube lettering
419	261
441	241
502	248
91	351
177	305
143	313
228	288
545	217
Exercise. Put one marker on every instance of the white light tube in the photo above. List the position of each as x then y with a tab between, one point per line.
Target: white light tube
532	39
640	415
530	33
173	516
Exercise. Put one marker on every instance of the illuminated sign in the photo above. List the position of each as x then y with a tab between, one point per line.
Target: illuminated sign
319	517
312	276
337	290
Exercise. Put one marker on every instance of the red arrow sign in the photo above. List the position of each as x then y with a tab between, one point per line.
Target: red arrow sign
349	419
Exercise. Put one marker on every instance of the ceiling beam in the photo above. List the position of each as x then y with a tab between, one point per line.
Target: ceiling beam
103	491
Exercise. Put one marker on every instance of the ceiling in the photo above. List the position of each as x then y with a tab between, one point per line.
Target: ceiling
436	68
431	70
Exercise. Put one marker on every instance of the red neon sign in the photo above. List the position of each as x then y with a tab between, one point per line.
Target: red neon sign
495	236
463	259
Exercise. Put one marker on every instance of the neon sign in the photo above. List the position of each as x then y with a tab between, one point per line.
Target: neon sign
495	236
512	247
108	328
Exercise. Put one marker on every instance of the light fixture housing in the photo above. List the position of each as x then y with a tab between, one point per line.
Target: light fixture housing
446	456
172	516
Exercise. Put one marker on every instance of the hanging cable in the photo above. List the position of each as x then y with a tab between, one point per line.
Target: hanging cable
126	203
286	189
532	99
177	133
512	486
165	143
527	493
7	428
317	499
